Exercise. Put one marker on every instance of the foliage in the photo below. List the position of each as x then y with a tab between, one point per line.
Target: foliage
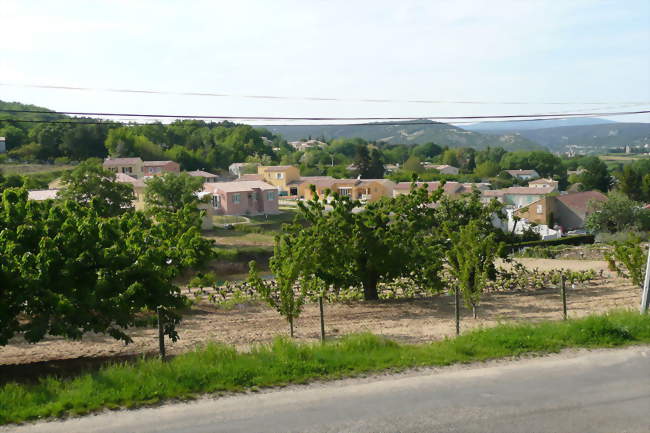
595	174
617	214
90	182
216	368
171	192
470	256
65	269
628	259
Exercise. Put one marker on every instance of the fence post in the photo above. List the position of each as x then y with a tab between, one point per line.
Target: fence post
161	333
645	297
457	309
322	319
563	290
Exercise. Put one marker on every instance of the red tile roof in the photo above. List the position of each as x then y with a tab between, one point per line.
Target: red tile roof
579	201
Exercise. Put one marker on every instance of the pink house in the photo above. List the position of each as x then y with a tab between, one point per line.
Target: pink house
242	198
155	168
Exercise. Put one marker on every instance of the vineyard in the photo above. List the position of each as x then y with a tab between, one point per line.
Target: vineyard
233	315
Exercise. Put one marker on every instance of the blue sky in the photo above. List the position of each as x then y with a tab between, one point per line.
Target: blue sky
526	50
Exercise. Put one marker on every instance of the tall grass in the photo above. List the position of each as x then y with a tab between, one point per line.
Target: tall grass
216	368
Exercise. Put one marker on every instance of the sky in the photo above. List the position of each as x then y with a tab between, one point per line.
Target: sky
491	51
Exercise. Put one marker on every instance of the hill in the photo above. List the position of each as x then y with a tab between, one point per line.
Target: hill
413	132
515	126
6	115
589	138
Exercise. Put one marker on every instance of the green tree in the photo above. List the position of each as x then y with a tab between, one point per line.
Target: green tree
66	270
450	157
471	258
595	175
90	182
629	182
617	214
376	167
362	160
413	164
629	260
487	169
171	192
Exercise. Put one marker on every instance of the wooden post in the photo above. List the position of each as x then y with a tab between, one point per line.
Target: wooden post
457	308
563	291
322	319
645	296
161	333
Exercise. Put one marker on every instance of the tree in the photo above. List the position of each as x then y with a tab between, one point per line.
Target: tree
631	260
487	169
66	270
90	182
426	150
413	164
171	192
450	157
362	160
376	167
617	214
288	266
629	182
595	174
471	257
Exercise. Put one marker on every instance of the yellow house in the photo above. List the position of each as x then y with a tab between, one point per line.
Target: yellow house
138	188
279	175
357	189
133	167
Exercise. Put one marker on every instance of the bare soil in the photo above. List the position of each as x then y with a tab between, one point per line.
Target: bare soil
410	321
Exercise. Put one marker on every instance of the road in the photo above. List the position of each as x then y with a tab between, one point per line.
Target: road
585	391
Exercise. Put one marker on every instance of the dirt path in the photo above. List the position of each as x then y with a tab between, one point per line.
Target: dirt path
406	320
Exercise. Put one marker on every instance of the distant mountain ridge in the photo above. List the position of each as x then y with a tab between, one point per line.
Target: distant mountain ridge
522	125
412	132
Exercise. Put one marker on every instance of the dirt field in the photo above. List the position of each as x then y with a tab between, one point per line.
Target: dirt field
407	321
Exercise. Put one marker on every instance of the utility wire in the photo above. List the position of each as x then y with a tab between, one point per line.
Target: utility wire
312	98
273	118
81	121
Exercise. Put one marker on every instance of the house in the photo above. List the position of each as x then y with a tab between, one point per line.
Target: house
452	189
518	196
295	190
242	198
444	168
207	177
544	183
248	177
279	175
356	189
156	168
237	168
571	210
303	145
42	194
138	186
568	211
130	166
523	174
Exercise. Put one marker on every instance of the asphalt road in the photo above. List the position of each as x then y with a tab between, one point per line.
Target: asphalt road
601	391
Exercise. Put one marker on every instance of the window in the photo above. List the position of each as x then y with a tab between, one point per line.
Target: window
279	176
252	196
216	201
345	192
540	209
270	195
236	198
127	169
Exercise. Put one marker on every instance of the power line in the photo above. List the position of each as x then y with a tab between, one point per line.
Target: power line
81	121
274	118
313	98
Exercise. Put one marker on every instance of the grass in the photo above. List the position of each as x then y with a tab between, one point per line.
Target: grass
33	168
229	219
219	368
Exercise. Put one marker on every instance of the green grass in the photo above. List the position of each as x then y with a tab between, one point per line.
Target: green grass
33	168
229	219
219	368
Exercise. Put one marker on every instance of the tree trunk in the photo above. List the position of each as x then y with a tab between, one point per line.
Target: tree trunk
457	309
161	334
474	311
322	319
291	326
370	289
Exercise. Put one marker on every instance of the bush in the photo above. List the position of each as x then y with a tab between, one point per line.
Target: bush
568	240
